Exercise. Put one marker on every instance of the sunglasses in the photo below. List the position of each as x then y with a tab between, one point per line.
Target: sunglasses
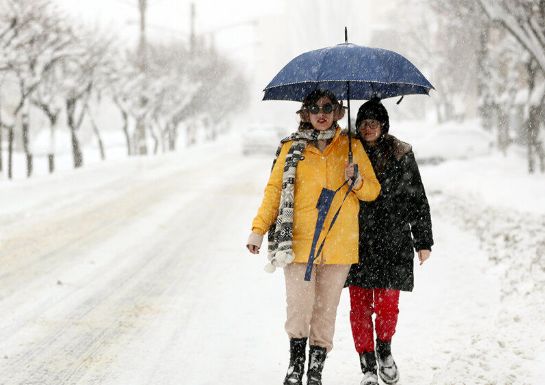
315	109
370	123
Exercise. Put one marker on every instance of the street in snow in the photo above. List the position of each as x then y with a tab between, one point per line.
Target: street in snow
146	280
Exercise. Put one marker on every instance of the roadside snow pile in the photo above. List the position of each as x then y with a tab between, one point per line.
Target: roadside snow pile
515	245
491	196
514	241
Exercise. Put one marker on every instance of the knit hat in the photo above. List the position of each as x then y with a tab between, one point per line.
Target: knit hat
373	109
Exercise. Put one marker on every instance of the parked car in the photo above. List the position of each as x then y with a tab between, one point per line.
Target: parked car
453	141
262	139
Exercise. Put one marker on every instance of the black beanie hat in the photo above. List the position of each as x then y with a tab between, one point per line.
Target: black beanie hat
373	109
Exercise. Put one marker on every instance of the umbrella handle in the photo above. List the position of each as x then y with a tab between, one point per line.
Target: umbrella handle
351	160
356	169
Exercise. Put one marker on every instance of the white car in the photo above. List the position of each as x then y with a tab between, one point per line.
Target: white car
451	141
262	139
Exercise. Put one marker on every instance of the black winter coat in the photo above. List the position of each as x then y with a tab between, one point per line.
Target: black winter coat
395	223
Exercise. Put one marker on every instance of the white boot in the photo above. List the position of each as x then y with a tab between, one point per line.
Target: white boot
368	363
387	368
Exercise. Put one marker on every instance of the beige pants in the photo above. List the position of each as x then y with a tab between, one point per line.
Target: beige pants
312	306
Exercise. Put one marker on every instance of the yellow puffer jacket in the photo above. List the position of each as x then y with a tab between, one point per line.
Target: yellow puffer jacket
316	171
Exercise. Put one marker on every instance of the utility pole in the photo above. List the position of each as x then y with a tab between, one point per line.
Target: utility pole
140	130
142	45
192	40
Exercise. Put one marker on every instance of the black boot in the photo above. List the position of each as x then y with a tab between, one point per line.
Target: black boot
294	376
387	368
316	361
368	363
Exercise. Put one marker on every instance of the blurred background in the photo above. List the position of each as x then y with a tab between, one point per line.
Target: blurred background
134	149
91	80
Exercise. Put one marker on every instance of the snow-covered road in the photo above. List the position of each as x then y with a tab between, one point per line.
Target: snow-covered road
135	273
105	288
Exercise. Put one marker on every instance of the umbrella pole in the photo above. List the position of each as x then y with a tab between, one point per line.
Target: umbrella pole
350	155
348	104
349	123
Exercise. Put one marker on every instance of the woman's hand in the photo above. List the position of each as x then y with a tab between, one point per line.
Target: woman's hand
349	174
254	242
423	255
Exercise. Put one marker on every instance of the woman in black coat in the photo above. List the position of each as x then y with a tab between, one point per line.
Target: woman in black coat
391	227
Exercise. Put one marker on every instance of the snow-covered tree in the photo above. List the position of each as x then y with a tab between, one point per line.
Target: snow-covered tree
121	80
174	90
223	92
524	21
35	38
486	54
443	38
80	77
49	64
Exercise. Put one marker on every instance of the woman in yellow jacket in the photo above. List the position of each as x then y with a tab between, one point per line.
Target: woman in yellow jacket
313	158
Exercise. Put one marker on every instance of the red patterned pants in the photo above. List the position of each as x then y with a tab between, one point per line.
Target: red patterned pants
365	302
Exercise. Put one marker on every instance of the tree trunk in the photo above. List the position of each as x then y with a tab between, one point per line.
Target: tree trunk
52	115
486	113
125	126
483	76
141	147
534	144
53	119
97	133
125	117
10	151
155	139
51	162
172	136
29	165
76	150
25	126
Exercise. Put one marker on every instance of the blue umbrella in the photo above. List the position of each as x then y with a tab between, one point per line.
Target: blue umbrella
349	71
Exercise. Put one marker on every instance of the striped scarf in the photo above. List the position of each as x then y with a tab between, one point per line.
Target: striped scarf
280	234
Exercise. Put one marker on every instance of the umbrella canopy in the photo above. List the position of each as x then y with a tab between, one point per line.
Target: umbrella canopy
349	71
